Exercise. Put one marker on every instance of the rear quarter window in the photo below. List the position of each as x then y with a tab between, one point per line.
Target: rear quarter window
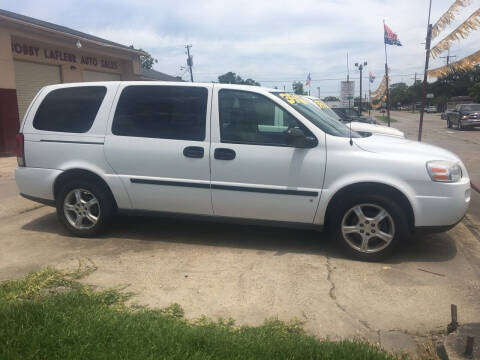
70	110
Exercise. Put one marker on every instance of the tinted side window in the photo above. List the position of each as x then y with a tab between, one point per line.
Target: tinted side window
166	112
252	118
69	109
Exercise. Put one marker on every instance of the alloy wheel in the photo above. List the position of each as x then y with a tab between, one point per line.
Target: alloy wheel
82	209
368	228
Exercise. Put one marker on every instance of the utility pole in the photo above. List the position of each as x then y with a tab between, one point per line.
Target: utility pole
448	57
360	67
414	97
318	88
425	73
446	79
369	97
189	61
348	81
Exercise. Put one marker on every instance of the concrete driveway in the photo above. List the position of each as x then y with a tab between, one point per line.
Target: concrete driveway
251	273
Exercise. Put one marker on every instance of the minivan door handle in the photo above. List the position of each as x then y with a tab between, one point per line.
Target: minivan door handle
224	154
193	152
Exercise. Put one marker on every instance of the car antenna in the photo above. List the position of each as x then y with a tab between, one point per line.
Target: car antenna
351	141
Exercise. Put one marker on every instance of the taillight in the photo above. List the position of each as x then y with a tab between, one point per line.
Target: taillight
19	149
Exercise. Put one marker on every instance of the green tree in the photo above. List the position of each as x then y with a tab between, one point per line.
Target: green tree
331	98
474	92
146	61
232	78
399	94
298	88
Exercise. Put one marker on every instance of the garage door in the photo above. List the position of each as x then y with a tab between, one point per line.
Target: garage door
30	78
99	76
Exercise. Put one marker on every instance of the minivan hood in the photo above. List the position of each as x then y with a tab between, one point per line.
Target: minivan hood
403	147
376	129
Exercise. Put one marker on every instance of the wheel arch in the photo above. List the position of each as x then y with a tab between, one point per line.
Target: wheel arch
78	173
376	188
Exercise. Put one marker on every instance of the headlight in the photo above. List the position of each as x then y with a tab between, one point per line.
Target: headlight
464	117
444	171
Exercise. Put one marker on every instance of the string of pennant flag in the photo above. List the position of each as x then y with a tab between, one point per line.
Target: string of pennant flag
461	32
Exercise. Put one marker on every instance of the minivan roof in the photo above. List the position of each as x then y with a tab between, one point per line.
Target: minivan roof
169	83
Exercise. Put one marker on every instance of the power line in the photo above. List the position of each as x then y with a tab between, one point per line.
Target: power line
335	79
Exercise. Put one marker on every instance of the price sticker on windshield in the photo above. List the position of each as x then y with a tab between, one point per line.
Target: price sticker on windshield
320	104
293	98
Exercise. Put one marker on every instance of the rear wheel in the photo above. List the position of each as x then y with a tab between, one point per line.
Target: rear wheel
369	227
84	208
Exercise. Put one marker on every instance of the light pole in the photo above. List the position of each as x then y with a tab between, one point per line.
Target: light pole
360	67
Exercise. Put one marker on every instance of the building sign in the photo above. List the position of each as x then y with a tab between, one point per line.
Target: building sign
54	54
347	89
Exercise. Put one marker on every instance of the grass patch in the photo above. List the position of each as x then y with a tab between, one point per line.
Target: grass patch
50	315
384	118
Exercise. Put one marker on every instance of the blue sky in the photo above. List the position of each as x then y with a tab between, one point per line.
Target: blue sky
274	42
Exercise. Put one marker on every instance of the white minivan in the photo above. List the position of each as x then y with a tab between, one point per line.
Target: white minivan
230	152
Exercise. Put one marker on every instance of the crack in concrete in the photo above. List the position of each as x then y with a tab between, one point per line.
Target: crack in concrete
333	296
472	226
331	293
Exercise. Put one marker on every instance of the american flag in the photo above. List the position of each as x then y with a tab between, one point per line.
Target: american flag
390	38
371	77
308	80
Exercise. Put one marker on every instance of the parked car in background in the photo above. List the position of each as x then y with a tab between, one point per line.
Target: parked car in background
430	109
361	128
350	114
230	152
464	116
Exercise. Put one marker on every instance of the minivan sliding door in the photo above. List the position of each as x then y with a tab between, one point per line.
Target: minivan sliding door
158	144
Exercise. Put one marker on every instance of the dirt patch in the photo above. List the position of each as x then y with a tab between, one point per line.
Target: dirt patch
7	167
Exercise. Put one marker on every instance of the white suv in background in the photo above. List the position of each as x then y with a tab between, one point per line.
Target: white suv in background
229	151
361	128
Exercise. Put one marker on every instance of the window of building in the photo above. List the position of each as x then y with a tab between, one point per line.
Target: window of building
165	112
69	109
251	118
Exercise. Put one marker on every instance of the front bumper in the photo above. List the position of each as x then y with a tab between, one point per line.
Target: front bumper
443	205
471	122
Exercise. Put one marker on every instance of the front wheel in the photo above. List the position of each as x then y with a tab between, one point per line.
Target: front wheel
449	124
460	125
369	227
84	208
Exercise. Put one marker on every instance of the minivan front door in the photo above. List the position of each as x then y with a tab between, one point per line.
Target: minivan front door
158	144
256	172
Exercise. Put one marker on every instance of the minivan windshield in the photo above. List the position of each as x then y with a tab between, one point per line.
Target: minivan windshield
315	115
473	107
324	107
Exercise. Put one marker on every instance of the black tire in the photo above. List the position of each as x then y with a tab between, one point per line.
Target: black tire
104	207
460	126
397	215
449	124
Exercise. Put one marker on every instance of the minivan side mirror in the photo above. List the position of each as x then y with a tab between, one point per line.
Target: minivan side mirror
297	138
